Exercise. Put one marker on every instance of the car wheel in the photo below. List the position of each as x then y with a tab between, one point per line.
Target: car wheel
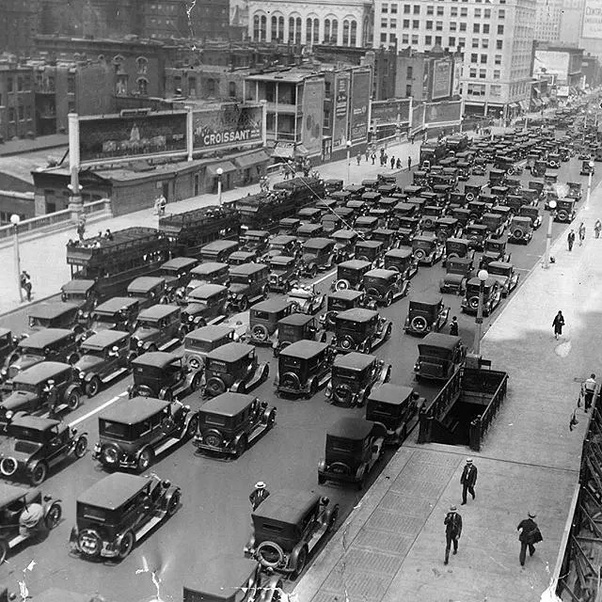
301	561
419	254
145	459
73	359
342	284
73	400
271	420
243	304
260	332
8	466
152	348
194	363
240	448
473	303
174	503
193	427
93	387
126	545
332	519
388	332
3	550
53	516
81	446
215	387
321	479
38	474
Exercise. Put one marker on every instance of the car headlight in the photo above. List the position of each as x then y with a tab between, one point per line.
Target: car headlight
191	318
80	312
82	375
9	414
4	372
140	343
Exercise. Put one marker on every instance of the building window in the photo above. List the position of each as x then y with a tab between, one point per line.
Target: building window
142	65
408	90
454	11
498	59
472	73
274	28
496	74
501	14
499	44
483	59
256	27
11	115
477	13
405	38
21	112
462	26
439	11
385	8
474	57
439	25
393	24
9	85
485	27
121	85
410	72
308	26
263	28
462	42
453	26
393	9
407	9
451	42
415	39
142	84
232	89
316	38
384	23
438	40
19	84
353	39
406	24
482	73
430	10
415	24
71	83
192	87
70	108
429	25
416	9
475	42
326	31
495	90
428	40
393	39
476	28
335	31
281	29
463	11
487	13
383	38
485	43
500	30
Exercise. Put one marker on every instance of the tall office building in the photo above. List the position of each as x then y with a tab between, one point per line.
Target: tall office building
496	38
548	17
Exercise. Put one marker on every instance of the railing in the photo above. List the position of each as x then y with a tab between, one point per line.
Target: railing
480	425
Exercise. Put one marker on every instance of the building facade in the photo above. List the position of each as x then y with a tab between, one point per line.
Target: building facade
562	65
344	23
496	39
19	22
17	101
548	18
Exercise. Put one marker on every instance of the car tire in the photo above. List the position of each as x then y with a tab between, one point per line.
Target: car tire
193	427
215	386
53	516
260	332
73	359
332	519
4	548
93	387
388	299
126	545
321	479
279	554
174	503
194	363
473	303
419	323
301	562
342	284
419	254
241	387
145	459
38	474
313	271
152	348
388	332
195	383
243	304
8	466
240	447
73	400
81	446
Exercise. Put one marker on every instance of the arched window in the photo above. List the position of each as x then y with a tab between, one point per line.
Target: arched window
274	28
308	24
298	30
281	29
335	31
263	28
326	31
142	84
353	38
316	36
291	29
256	27
345	32
142	65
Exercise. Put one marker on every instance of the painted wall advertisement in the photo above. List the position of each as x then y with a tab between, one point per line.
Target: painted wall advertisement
457	77
417	117
105	138
391	112
227	125
592	19
341	107
360	98
552	62
442	77
313	116
443	112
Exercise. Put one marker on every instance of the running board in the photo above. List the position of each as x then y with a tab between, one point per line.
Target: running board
149	526
167	444
316	538
113	375
169	344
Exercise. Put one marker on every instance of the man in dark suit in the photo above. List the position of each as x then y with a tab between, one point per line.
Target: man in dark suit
529	535
258	494
453	530
468	479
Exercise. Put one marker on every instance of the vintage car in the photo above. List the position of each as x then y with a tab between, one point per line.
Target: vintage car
338	301
350	274
240	257
230	422
476	235
8	344
303	368
157	328
264	318
565	210
218	251
30	446
505	274
344	244
54	314
118	313
199	342
318	255
118	511
360	330
495	223
427	249
288	226
249	283
305	299
521	229
215	584
84	294
458	271
457	247
283	244
494	249
532	213
256	242
287	528
430	215
492	296
105	357
133	432
446	227
164	376
284	273
310	215
26	514
306	231
148	290
176	273
439	356
233	367
353	376
402	261
205	305
384	287
212	272
394	406
426	314
296	327
44	389
353	447
371	251
408	228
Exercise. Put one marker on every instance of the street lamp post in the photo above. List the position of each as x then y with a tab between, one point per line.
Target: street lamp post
220	172
482	275
546	259
348	161
14	220
589	181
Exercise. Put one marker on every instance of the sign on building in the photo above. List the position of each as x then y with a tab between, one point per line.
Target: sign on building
592	19
390	112
443	112
551	62
313	116
341	108
228	125
360	99
442	78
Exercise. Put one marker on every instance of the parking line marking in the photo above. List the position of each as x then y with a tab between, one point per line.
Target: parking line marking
325	277
100	408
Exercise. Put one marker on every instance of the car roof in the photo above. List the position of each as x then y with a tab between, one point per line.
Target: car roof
402	253
51	310
282	260
209	333
318	243
158	311
354	360
344	233
78	286
500	264
208	267
283	239
4	331
116	303
135	410
425	237
296	319
113	490
369	243
221	576
354	264
104	338
287	505
230	352
303	349
156	359
382	273
350	427
389	393
10	493
180	262
437	339
228	404
207	290
247	268
273	305
40	372
460	260
144	282
524	218
256	233
347	293
54	594
427	299
219	244
33	422
45	337
357	314
476	282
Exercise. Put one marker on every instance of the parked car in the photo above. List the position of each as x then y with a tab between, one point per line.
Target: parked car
287	528
205	305
105	357
288	226
118	313
177	275
118	511
241	257
303	368
384	287
212	272
587	168
458	271
284	273
521	229
30	446
283	244
402	261
230	422
565	211
340	300
158	328
353	376
318	255
426	314
305	298
492	296
427	249
264	318
8	344
296	327
26	514
256	242
371	251
249	283
344	244
350	274
532	213
353	447
54	314
360	330
233	367
494	249
394	406
148	290
199	342
439	356
218	250
505	274
83	293
457	247
476	235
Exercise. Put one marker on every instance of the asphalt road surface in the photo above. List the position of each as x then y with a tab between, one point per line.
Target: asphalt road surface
215	515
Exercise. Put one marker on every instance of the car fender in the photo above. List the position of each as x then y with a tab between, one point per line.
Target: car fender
169	495
70	389
267	413
49	503
143	449
293	559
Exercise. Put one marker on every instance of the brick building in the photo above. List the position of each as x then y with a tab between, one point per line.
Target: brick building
19	22
17	101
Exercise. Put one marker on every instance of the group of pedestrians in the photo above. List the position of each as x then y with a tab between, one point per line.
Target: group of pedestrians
571	237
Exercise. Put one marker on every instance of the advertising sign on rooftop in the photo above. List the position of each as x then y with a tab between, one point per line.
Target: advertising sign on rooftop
442	78
592	19
389	112
360	99
229	125
341	108
313	116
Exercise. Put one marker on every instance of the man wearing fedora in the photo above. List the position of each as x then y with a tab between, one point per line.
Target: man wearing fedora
453	530
468	479
529	535
258	494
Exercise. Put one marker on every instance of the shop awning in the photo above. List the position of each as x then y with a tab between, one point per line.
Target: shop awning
246	161
227	166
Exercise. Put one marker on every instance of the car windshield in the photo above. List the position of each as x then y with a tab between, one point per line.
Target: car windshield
22	432
337	304
115	430
94	513
423	244
432	351
350	326
348	273
75	296
239	279
342	445
25	388
147	323
93	352
499	271
110	319
39	322
199	345
32	350
198	299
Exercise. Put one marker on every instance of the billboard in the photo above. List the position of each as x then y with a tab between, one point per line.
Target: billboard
552	62
227	125
106	138
313	116
389	112
342	84
592	19
360	98
443	112
442	77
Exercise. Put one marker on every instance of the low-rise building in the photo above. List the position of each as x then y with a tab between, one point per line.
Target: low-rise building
17	101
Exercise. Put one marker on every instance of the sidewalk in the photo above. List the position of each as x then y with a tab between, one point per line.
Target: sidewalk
391	547
44	258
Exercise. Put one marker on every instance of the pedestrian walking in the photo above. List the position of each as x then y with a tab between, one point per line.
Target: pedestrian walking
453	530
581	233
557	324
81	228
367	155
597	228
571	239
528	537
258	494
25	280
108	234
588	390
413	138
453	327
410	159
398	163
468	479
359	159
392	162
373	157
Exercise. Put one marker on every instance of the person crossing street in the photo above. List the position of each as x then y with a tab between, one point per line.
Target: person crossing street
468	479
453	531
528	537
258	494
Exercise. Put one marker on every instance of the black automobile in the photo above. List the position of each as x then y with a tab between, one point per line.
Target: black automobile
402	261
55	314
338	301
199	342
284	273
207	304
249	283
318	255
427	249
360	330
439	356
521	228
344	247
426	314
350	274
264	318
371	251
492	295
296	327
458	271
118	313
384	287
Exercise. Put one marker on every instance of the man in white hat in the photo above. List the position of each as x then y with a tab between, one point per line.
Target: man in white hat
258	494
453	530
529	535
468	479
